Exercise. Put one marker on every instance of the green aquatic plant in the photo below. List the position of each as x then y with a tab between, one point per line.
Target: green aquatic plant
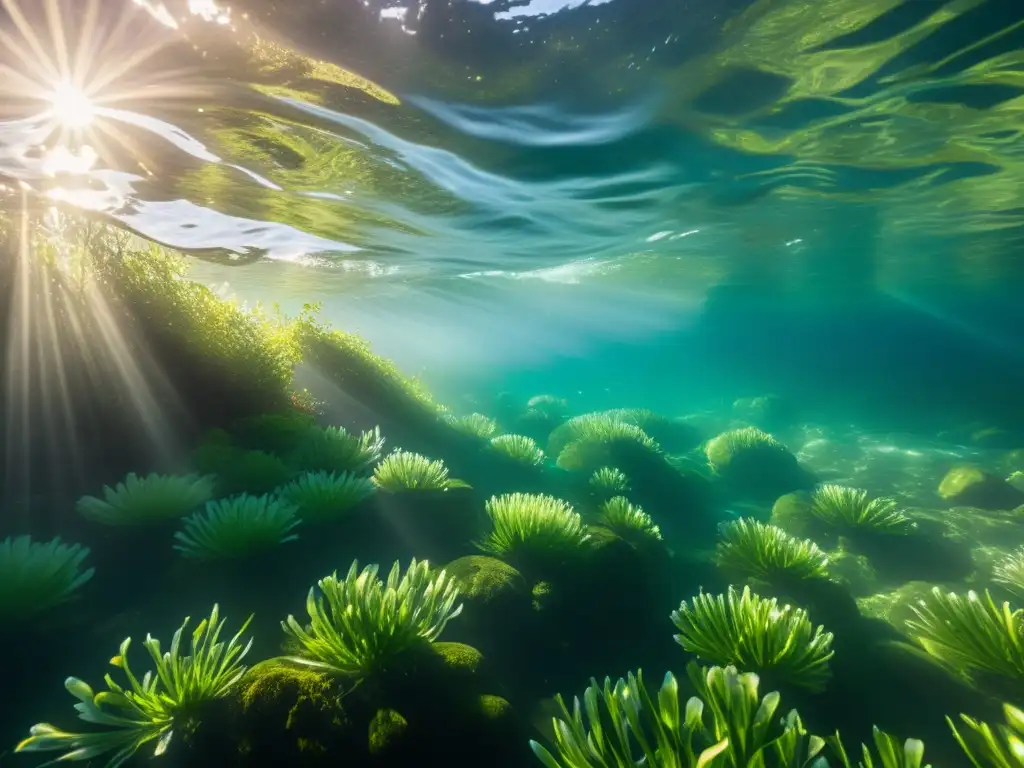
547	403
890	752
988	747
151	499
335	450
226	357
600	426
1010	572
153	708
474	425
518	448
753	549
237	527
347	361
595	448
360	623
757	635
851	509
721	450
726	723
972	634
321	496
628	521
407	471
35	576
609	481
533	526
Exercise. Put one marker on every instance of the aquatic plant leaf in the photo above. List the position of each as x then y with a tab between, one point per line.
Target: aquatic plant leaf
755	634
754	549
149	499
407	471
972	634
360	624
237	527
148	709
36	576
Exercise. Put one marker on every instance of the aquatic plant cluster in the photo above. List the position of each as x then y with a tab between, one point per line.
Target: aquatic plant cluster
564	541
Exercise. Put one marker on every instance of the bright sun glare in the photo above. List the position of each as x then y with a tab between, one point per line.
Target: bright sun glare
70	106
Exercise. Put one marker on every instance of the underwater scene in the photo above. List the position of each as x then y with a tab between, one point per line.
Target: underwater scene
552	383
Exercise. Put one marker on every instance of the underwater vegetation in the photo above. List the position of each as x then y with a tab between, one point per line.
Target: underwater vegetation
526	549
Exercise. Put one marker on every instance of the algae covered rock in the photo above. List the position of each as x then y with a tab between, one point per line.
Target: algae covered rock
291	716
457	658
386	732
852	570
486	580
895	606
969	485
792	513
755	463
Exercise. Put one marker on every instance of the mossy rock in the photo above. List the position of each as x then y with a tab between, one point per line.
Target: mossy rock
852	570
291	715
427	671
759	470
969	485
494	708
895	606
458	658
543	595
387	732
486	580
792	513
1016	479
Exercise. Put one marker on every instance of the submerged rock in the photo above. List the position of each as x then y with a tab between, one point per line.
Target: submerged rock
896	606
386	732
485	580
755	464
970	485
792	513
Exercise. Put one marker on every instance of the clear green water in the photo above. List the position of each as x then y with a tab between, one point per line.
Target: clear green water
799	216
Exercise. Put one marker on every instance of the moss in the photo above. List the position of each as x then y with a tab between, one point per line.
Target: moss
894	606
150	353
494	707
387	729
852	570
458	657
972	486
241	361
542	595
289	712
792	513
349	363
484	579
755	464
269	684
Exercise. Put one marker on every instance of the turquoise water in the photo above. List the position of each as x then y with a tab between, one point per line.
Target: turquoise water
803	217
